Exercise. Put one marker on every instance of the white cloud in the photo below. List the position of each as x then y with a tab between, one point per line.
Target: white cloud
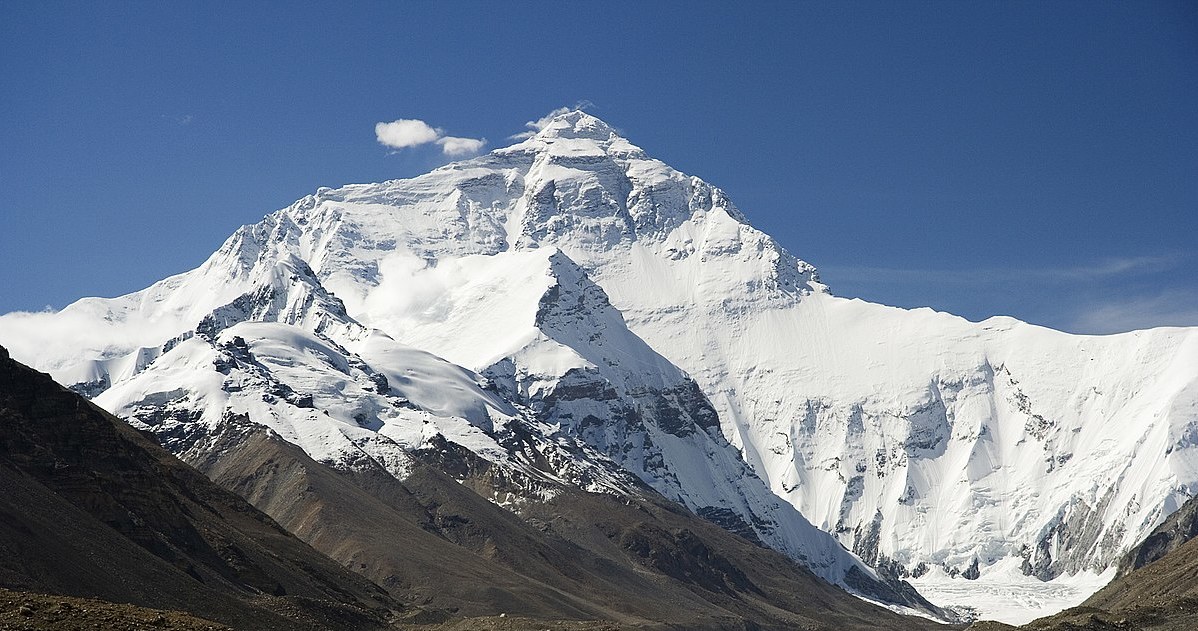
412	132
405	132
454	146
541	122
411	291
41	339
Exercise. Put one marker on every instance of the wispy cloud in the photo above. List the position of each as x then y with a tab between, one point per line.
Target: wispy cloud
181	120
1096	271
537	125
35	337
1173	307
411	132
1110	295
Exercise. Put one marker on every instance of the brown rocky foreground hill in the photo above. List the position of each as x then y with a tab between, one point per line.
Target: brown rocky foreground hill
91	508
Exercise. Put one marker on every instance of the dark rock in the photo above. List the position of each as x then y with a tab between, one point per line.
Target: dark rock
972	572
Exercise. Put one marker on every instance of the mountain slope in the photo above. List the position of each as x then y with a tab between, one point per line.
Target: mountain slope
92	508
577	556
1178	529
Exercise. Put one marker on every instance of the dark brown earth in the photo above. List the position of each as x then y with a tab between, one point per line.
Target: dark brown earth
91	508
514	623
23	611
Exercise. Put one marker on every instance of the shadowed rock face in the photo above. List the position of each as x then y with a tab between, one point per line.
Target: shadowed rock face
1173	533
89	507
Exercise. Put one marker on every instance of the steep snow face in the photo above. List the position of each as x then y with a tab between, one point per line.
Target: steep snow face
924	441
579	275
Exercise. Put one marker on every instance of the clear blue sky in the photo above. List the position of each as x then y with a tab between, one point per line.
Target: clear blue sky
1035	159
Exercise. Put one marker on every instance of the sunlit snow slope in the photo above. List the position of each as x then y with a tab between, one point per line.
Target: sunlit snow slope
578	276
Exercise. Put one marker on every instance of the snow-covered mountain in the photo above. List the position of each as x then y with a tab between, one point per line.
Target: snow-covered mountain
628	315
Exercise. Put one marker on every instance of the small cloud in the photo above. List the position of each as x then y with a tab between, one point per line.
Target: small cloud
1111	267
405	132
454	146
410	132
542	122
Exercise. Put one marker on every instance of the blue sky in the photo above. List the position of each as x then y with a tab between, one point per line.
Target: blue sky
1033	159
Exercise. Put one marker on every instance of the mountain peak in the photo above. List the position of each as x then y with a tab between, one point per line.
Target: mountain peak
576	124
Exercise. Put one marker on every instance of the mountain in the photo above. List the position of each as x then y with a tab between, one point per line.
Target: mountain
596	313
256	334
1156	587
92	508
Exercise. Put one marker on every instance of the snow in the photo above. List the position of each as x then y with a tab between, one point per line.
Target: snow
1007	595
574	262
431	383
439	307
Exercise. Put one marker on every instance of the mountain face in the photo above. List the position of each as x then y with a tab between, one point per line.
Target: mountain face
92	508
572	311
